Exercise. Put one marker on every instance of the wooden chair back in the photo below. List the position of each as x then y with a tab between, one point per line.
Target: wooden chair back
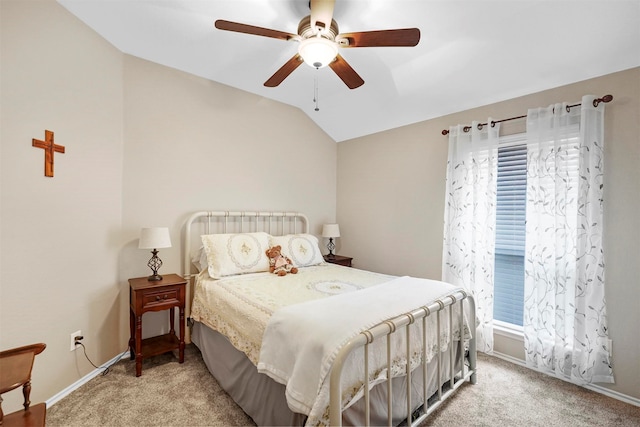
15	371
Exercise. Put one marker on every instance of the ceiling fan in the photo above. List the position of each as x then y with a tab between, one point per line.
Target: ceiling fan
320	39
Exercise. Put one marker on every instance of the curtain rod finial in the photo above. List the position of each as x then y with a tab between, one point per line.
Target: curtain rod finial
606	99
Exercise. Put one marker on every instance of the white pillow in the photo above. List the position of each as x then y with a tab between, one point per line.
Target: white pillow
301	248
230	254
199	259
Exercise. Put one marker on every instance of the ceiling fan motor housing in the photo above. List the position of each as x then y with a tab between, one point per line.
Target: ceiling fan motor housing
306	31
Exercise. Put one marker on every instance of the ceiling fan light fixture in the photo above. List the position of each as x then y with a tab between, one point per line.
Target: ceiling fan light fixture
318	52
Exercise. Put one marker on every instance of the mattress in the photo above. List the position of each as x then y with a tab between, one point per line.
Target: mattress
240	306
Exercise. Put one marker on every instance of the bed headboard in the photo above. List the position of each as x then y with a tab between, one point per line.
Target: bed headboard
214	222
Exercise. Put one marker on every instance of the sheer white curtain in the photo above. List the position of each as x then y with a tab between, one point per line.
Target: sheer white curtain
565	319
470	218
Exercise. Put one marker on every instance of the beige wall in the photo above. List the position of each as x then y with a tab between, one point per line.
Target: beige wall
60	236
391	203
145	145
192	145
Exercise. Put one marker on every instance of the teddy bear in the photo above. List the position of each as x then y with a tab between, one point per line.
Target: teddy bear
278	263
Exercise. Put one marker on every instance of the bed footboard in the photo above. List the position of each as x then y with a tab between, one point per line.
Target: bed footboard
446	387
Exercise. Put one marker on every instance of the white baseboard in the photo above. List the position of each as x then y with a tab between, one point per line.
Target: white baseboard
598	389
593	387
58	396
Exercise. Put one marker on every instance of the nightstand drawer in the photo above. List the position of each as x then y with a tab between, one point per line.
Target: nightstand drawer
157	299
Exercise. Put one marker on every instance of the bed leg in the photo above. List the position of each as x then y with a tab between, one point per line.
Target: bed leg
473	350
472	365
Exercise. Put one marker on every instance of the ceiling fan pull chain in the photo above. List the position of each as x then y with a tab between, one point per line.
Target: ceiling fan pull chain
315	90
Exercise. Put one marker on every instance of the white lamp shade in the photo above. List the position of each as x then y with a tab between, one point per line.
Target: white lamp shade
318	52
154	238
331	230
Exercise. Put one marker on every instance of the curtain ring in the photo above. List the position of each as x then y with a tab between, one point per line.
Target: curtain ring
466	128
493	124
480	126
596	102
568	108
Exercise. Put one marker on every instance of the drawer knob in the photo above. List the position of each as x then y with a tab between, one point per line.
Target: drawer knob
157	297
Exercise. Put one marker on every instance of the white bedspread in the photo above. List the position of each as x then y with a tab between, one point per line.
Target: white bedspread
301	341
240	306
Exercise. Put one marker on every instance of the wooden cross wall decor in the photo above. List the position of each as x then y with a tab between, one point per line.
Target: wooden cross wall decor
49	148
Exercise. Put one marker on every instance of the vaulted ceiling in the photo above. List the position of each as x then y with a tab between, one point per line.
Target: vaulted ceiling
471	52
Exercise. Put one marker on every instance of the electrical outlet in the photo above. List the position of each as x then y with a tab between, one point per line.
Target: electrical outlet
610	344
72	340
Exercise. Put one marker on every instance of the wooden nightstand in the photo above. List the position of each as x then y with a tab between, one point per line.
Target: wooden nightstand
144	296
339	259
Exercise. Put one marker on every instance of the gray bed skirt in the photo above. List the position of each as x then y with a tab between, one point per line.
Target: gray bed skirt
259	396
264	400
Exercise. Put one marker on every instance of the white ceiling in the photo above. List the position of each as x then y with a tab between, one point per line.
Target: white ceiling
471	52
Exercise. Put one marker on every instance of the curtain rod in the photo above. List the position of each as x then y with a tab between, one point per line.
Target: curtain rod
605	99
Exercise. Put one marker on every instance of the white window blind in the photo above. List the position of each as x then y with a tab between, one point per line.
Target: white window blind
510	230
511	216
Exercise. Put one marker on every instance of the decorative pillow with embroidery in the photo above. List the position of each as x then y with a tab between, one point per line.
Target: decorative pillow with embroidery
231	254
301	248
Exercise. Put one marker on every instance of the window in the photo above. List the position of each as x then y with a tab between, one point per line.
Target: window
510	230
511	215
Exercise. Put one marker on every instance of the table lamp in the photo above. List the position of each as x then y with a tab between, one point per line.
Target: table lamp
154	238
331	231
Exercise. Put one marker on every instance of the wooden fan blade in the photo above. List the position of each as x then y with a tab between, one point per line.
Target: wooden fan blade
400	37
346	73
322	13
284	71
221	24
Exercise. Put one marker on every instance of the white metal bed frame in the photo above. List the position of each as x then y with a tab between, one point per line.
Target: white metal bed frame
251	221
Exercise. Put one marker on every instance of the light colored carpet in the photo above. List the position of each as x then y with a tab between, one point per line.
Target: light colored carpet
170	394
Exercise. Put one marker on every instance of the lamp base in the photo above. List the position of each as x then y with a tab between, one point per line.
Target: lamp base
154	264
331	246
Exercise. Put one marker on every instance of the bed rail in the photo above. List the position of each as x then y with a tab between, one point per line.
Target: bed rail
389	327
